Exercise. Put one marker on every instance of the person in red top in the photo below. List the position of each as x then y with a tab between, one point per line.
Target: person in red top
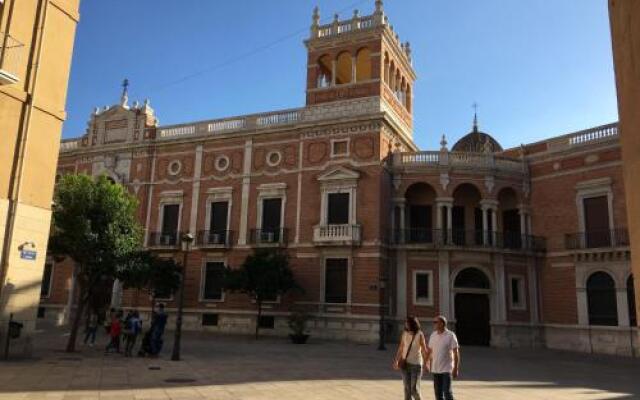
114	333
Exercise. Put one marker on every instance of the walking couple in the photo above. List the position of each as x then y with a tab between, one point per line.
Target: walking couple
440	356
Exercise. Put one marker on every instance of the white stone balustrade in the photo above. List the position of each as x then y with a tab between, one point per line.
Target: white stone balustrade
334	234
430	159
228	125
584	137
68	145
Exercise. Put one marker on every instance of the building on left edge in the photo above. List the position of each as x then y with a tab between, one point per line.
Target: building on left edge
36	44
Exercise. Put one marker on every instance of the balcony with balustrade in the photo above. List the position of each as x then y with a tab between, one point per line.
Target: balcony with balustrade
337	235
164	240
269	237
456	160
12	53
215	239
466	239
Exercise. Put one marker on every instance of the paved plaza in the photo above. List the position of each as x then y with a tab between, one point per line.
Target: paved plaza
239	368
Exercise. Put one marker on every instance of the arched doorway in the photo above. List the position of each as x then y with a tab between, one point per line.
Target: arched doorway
472	307
601	299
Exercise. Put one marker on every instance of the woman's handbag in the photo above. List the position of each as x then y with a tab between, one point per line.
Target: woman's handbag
402	364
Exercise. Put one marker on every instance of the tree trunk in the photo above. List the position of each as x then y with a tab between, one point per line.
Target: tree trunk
259	303
75	325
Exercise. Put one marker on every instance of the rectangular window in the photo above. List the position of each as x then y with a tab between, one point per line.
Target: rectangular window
338	209
336	280
271	213
209	319
41	310
45	289
596	222
218	218
420	224
423	287
517	293
213	281
267	322
340	148
170	216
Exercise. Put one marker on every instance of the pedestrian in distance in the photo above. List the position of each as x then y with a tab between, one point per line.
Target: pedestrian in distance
115	331
91	329
411	358
158	325
444	357
133	327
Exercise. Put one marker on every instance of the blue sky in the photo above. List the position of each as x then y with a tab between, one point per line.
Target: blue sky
537	68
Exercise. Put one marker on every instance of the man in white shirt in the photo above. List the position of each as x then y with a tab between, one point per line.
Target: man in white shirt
444	356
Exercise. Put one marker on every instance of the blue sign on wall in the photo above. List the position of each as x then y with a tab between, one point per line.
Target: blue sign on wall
28	254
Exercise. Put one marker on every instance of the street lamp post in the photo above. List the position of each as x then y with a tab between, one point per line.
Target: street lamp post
186	240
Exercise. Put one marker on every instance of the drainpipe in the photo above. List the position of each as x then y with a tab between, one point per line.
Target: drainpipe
18	160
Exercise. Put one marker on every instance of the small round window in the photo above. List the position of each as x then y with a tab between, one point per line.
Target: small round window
222	163
274	158
174	167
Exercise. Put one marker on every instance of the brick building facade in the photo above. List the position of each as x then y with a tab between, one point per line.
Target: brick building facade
519	247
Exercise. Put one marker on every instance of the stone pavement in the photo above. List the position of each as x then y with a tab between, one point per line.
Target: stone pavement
239	368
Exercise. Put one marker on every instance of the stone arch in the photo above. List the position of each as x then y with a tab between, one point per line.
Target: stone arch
472	277
363	65
601	299
325	71
466	221
473	301
386	68
421	211
344	68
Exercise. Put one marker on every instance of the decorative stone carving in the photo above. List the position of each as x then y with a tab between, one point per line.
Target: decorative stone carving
444	180
489	183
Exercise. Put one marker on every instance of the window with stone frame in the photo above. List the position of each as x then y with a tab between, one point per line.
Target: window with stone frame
517	299
596	222
336	280
340	148
338	208
170	220
213	280
423	288
218	222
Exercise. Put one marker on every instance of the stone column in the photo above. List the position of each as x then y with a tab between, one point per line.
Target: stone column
490	205
449	223
333	72
501	292
246	185
522	211
444	284
533	289
623	307
354	69
403	221
195	193
485	225
401	284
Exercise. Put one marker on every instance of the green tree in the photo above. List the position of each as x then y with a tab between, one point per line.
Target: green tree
264	275
144	270
94	224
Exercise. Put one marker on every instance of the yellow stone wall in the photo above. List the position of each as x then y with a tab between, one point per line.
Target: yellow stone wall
625	30
31	117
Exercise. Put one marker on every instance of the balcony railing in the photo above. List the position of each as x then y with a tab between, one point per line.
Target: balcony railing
597	239
222	239
164	239
271	236
455	159
337	234
437	238
11	53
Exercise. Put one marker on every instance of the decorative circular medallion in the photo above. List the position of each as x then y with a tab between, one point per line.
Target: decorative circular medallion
174	167
222	163
274	158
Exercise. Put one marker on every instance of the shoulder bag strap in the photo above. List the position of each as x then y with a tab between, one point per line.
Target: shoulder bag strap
410	344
